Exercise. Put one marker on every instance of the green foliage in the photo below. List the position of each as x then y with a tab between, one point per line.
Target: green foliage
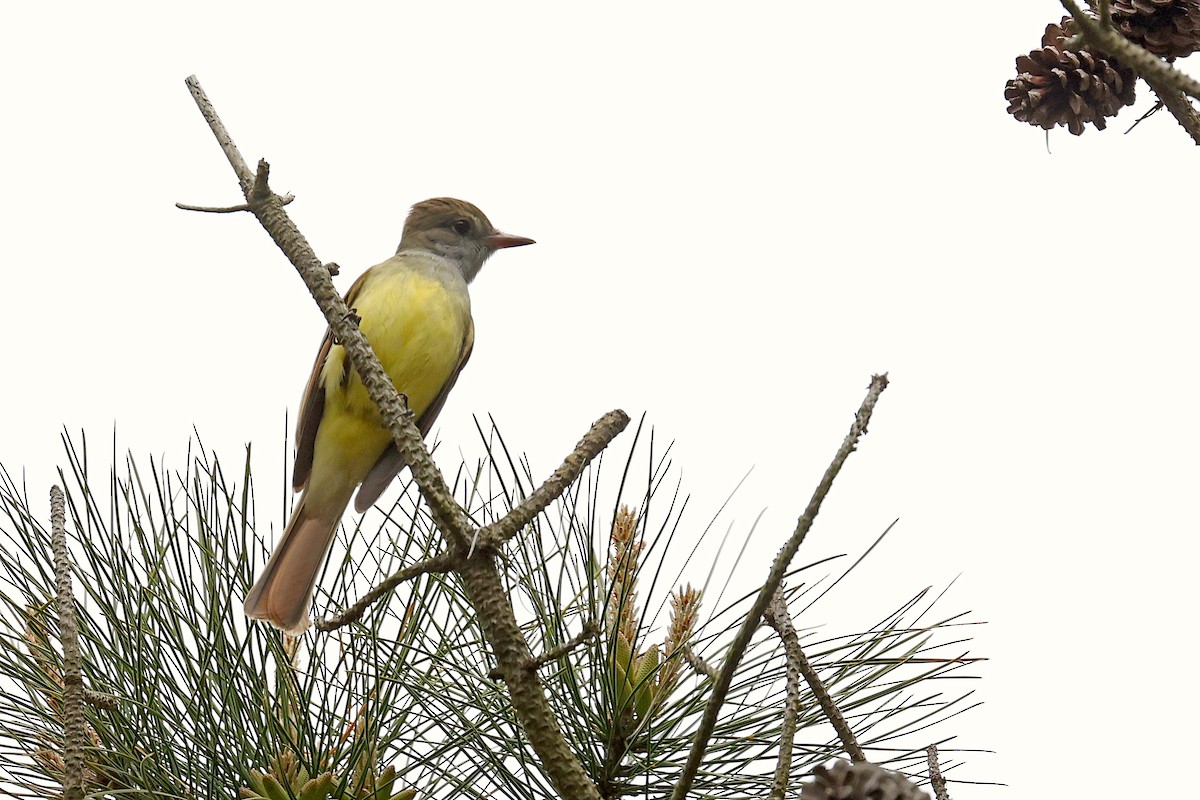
401	704
631	741
161	565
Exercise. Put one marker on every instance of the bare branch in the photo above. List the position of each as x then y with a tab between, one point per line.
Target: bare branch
590	631
262	179
832	712
936	780
74	725
698	664
778	618
738	647
213	209
285	200
232	154
100	700
441	563
601	434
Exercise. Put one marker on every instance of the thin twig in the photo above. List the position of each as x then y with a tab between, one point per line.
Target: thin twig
1154	109
100	700
283	199
698	664
832	712
738	648
232	154
74	725
213	209
936	779
602	432
778	618
1180	107
441	563
590	631
480	576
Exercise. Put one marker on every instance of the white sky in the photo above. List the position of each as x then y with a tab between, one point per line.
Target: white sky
740	216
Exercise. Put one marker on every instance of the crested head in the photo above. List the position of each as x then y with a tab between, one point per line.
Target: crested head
456	230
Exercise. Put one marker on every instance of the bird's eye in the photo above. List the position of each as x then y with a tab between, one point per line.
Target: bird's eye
461	226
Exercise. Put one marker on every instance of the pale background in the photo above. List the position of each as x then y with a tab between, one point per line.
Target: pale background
742	211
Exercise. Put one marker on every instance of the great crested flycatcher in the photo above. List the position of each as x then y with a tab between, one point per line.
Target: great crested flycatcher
416	313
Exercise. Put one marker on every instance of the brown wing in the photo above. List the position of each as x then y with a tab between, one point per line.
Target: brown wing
391	462
312	404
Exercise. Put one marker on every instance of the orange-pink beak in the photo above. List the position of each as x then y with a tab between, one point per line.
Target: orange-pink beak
498	240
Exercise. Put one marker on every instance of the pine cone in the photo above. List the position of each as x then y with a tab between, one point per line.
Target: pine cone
1167	28
1056	86
861	781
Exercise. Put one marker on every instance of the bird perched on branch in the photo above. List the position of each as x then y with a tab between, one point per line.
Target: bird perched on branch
416	313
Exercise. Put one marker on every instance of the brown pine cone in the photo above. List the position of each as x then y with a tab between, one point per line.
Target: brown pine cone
861	781
1167	28
1056	86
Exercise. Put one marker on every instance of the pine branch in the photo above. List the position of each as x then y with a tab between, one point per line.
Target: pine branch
74	725
778	618
774	579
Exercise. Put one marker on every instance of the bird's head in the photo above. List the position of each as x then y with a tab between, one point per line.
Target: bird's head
456	230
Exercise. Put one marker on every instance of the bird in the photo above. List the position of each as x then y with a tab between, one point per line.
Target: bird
415	311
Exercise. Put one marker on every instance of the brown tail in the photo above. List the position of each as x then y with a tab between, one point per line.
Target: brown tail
283	591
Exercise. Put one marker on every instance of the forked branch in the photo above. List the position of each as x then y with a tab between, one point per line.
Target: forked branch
480	576
778	569
780	620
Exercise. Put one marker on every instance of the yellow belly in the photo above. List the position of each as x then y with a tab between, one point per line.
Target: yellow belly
416	325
